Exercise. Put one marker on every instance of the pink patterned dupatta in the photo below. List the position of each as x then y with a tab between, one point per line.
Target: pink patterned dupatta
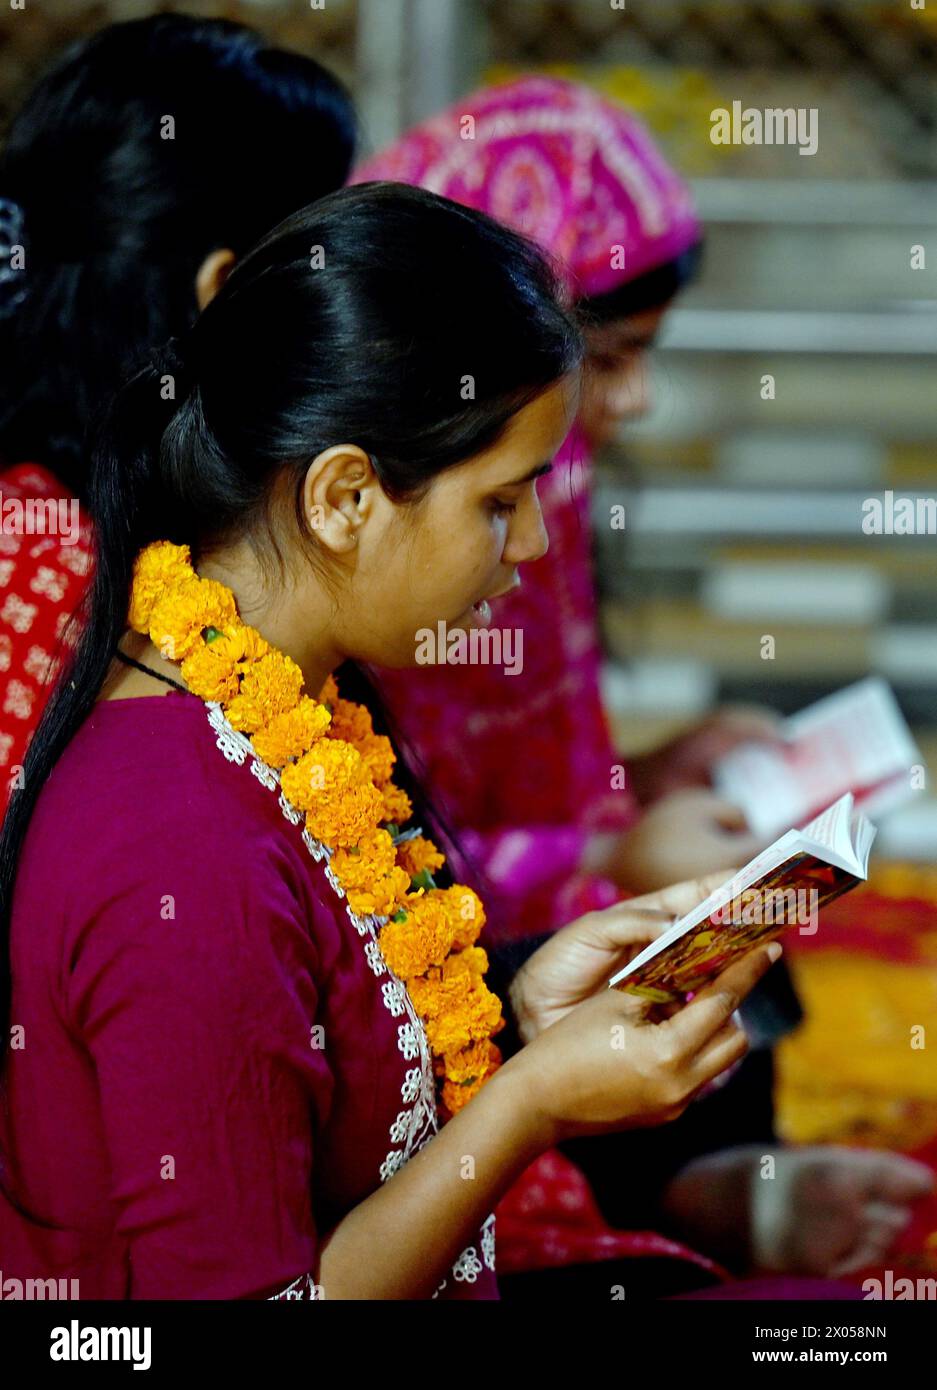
524	763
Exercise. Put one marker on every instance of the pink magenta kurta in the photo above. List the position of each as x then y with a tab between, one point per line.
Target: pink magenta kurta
214	1065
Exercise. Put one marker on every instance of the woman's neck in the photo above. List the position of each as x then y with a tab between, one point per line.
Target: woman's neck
294	620
128	683
278	619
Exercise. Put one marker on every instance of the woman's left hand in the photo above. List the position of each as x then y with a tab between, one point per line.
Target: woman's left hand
580	958
689	759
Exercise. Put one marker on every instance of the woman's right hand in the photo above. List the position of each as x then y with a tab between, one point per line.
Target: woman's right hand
607	1066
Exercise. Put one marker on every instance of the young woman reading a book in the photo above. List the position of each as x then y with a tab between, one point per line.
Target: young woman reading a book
227	1013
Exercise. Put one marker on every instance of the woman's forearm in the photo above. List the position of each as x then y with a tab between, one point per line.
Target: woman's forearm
402	1240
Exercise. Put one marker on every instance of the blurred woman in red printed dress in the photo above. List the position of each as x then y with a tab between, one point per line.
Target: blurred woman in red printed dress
110	243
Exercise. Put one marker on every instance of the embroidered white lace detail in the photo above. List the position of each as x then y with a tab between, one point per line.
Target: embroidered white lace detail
418	1123
468	1266
488	1242
303	1287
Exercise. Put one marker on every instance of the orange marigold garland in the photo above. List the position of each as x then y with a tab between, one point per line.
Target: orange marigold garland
337	770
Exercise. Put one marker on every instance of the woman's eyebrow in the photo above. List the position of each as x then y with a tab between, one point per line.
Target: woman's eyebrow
537	472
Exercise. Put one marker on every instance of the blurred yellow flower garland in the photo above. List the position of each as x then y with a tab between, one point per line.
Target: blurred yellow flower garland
338	771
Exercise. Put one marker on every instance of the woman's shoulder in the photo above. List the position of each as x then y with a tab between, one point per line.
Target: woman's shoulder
150	791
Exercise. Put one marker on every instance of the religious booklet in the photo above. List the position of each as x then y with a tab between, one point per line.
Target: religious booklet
783	887
855	740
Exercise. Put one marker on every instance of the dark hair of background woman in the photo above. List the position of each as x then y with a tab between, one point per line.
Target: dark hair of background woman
117	219
652	290
416	293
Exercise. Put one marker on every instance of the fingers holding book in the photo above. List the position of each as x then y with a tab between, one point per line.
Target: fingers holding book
607	1065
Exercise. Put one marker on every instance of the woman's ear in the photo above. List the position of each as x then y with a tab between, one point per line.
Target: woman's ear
338	495
212	274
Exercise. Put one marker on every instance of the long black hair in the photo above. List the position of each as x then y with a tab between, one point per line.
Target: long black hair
146	147
356	320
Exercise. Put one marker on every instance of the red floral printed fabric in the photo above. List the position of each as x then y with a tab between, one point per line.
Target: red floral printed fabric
45	566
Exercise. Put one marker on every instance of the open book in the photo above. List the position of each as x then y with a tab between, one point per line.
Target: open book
784	886
855	740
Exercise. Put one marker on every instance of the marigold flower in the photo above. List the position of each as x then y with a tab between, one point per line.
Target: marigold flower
252	645
270	686
418	854
181	611
156	567
473	1061
473	961
379	757
433	995
477	1015
398	807
240	644
423	940
449	987
341	821
328	695
382	897
350	721
467	911
456	1095
210	674
329	770
372	858
291	734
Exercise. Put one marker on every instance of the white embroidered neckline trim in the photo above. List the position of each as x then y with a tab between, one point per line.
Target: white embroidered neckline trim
417	1122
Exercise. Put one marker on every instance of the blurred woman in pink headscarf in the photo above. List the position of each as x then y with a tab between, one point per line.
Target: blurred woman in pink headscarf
521	755
521	752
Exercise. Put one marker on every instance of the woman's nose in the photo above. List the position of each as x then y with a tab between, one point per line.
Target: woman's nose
527	540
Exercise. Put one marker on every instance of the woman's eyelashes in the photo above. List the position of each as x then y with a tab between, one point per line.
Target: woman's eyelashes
500	506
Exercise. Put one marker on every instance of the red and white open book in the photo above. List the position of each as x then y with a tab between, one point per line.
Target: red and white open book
855	740
782	888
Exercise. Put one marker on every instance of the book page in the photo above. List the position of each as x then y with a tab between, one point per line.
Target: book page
844	834
854	740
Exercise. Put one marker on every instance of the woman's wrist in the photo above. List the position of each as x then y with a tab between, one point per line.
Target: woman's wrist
506	961
533	1127
516	1014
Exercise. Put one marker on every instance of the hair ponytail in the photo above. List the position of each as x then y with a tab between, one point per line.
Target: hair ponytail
129	507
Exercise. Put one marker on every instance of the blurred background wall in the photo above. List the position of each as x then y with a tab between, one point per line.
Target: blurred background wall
743	513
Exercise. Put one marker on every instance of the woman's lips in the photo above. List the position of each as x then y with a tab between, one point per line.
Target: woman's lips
482	608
